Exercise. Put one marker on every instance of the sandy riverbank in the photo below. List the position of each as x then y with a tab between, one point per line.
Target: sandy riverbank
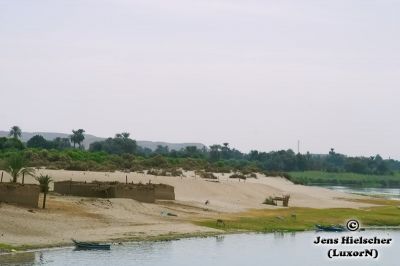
114	219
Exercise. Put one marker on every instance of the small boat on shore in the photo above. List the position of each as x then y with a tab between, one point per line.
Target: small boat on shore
330	228
90	245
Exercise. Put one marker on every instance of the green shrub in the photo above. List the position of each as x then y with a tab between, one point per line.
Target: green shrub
239	176
270	201
206	175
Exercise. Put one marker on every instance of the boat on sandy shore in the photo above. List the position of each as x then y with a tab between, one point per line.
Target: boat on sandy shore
90	245
330	228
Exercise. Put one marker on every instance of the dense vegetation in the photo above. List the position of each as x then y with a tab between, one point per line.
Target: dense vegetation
123	153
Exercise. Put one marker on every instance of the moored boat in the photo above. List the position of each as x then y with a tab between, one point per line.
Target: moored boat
330	228
90	245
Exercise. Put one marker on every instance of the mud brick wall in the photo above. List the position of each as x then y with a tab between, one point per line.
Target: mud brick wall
81	189
164	192
142	193
24	195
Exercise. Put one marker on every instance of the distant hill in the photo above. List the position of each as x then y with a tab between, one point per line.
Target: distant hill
172	146
91	138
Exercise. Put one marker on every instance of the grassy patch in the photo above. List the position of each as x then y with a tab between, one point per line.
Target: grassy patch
8	248
300	219
346	179
165	237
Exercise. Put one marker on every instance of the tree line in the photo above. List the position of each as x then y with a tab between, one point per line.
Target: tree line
121	151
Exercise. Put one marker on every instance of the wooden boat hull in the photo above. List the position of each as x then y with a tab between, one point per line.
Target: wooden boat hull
332	228
91	245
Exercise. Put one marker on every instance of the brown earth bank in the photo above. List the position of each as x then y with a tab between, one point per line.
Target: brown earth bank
94	219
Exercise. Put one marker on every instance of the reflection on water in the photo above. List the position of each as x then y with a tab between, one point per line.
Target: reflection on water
230	250
18	259
220	239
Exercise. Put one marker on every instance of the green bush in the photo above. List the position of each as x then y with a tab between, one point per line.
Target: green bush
239	176
206	175
270	201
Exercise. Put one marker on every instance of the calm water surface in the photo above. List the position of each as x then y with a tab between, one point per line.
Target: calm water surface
390	193
245	249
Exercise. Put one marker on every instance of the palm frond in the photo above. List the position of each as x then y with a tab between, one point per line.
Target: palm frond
28	171
16	167
44	181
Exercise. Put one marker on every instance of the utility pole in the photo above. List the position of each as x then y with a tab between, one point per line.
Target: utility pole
298	146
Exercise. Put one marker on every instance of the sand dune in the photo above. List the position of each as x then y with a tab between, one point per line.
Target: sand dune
107	219
227	195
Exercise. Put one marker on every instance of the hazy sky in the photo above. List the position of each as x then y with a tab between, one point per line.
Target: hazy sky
257	74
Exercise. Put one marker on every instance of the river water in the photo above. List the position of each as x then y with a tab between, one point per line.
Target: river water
389	193
241	249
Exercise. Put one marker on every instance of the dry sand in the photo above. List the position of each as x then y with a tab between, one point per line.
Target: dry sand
69	217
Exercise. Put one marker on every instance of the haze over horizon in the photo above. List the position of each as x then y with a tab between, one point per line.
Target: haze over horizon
257	74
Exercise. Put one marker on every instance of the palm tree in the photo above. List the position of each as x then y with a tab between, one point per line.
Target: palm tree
77	136
125	135
44	181
15	132
16	167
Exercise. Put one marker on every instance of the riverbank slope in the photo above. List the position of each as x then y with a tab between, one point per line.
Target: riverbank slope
92	219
